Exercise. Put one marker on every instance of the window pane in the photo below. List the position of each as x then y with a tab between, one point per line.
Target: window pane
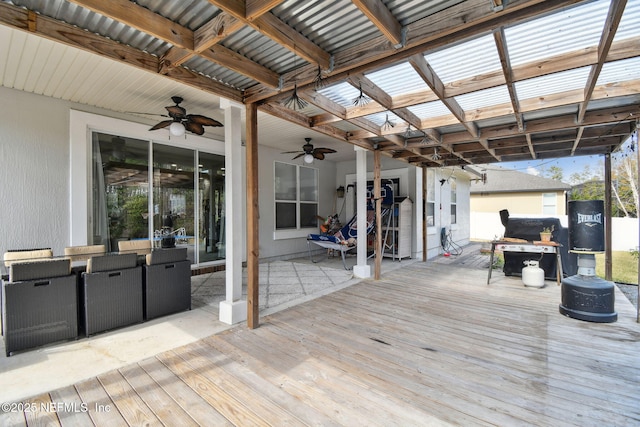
308	185
120	189
431	185
430	214
308	212
285	216
453	214
454	192
211	224
285	181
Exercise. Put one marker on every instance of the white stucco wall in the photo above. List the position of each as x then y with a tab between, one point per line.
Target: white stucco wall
460	231
34	164
283	248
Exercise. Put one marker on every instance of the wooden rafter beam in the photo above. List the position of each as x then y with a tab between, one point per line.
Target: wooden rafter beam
141	19
503	53
180	37
432	80
257	8
616	8
271	26
208	35
73	36
454	24
382	18
530	145
577	140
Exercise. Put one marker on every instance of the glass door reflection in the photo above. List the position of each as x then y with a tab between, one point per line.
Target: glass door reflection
173	196
211	218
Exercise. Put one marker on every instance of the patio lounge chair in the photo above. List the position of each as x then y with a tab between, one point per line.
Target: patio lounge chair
340	241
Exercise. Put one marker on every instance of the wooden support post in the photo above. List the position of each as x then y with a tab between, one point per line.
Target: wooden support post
376	196
253	255
607	218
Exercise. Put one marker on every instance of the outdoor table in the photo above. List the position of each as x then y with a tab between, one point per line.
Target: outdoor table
538	247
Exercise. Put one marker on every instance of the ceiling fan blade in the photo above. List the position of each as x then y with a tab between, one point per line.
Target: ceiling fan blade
162	124
194	127
299	155
203	120
176	111
324	150
292	152
318	155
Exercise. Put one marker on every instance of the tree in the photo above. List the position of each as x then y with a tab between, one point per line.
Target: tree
553	172
624	185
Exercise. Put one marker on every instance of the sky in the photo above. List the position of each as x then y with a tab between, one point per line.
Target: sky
569	165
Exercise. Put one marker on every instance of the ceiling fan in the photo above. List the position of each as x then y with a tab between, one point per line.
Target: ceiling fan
181	121
310	153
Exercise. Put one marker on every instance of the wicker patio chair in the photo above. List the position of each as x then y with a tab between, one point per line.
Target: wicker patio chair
167	282
40	304
112	293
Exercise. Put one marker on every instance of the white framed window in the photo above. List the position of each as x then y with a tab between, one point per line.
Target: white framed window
454	200
549	205
430	206
296	199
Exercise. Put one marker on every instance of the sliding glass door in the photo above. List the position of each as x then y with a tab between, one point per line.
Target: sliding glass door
173	196
120	189
183	198
211	223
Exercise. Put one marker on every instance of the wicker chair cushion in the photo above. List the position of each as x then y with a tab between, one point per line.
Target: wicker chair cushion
26	254
111	262
45	269
163	256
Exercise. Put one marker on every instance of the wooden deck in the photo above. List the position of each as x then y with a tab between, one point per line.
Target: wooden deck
426	345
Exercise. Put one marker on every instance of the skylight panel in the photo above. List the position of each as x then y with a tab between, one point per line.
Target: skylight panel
465	60
429	110
380	119
484	98
342	93
552	84
399	79
629	23
619	71
565	31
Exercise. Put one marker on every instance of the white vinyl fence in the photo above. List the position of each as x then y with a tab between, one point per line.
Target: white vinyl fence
487	226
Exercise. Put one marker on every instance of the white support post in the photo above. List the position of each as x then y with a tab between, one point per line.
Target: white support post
233	309
361	269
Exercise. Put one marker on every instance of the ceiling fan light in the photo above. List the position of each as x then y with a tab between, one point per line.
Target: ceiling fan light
176	129
308	158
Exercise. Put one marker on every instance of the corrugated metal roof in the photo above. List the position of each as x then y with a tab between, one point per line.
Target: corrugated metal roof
408	11
562	32
333	25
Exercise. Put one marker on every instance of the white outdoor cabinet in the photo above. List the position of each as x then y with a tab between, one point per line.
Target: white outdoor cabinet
397	235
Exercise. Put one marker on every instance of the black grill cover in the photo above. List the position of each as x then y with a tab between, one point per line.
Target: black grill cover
529	229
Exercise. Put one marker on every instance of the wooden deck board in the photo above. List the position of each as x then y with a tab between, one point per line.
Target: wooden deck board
427	344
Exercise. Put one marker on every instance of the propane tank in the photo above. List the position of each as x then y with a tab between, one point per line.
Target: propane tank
532	274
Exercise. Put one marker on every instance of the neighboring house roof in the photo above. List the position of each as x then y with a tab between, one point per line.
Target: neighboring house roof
501	180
